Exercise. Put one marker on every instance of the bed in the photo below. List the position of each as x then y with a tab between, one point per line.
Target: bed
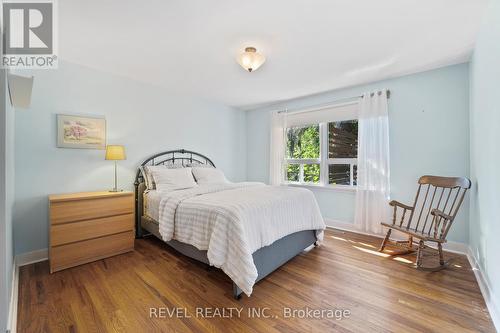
246	229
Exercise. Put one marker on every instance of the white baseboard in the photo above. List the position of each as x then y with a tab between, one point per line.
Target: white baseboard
32	257
455	247
346	226
14	294
486	290
21	260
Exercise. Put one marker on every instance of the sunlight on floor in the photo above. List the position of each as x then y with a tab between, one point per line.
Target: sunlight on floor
338	238
367	245
372	249
353	242
406	261
385	255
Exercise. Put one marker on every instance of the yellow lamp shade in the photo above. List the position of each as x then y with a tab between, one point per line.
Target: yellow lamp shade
115	152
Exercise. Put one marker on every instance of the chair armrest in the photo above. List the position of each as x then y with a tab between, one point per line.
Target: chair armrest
443	223
437	212
399	204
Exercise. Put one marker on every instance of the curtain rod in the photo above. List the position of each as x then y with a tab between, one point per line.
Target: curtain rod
334	102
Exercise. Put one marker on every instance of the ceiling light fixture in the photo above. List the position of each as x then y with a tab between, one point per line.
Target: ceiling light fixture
250	60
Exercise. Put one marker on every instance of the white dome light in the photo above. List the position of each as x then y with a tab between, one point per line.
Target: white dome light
250	60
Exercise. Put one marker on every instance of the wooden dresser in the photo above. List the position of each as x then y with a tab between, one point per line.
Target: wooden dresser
89	226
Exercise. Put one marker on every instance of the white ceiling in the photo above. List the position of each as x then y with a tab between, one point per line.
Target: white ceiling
189	46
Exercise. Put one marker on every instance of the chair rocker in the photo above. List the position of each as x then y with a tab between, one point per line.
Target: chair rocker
436	204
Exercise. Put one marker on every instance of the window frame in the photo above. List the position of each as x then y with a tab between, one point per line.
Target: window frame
324	162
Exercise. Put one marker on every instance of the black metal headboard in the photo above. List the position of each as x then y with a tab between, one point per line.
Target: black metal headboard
180	156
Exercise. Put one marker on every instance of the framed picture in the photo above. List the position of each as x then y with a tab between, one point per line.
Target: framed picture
81	132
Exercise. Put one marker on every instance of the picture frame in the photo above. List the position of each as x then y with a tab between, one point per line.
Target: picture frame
81	132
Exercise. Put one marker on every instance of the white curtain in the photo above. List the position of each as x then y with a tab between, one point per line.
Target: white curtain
277	147
373	185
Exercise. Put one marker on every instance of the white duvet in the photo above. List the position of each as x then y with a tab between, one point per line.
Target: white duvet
231	221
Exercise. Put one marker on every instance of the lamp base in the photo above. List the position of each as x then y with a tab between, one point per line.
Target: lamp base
115	190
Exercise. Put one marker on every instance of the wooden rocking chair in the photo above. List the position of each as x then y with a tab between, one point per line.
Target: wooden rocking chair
430	219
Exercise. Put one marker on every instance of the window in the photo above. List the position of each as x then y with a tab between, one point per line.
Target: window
322	153
343	152
303	154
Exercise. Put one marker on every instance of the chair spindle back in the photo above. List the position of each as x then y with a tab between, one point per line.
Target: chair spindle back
436	204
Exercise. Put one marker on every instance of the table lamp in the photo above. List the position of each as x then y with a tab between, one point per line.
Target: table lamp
115	153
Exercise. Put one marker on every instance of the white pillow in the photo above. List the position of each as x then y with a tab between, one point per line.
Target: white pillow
173	179
148	176
209	176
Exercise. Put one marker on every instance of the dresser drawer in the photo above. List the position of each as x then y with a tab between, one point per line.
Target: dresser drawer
78	210
73	254
77	231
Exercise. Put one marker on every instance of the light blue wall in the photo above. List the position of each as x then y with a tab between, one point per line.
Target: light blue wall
144	118
485	152
6	199
429	126
428	117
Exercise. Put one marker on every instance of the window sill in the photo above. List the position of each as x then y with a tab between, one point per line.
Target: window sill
335	188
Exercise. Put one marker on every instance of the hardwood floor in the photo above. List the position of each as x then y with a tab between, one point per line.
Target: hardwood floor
382	293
